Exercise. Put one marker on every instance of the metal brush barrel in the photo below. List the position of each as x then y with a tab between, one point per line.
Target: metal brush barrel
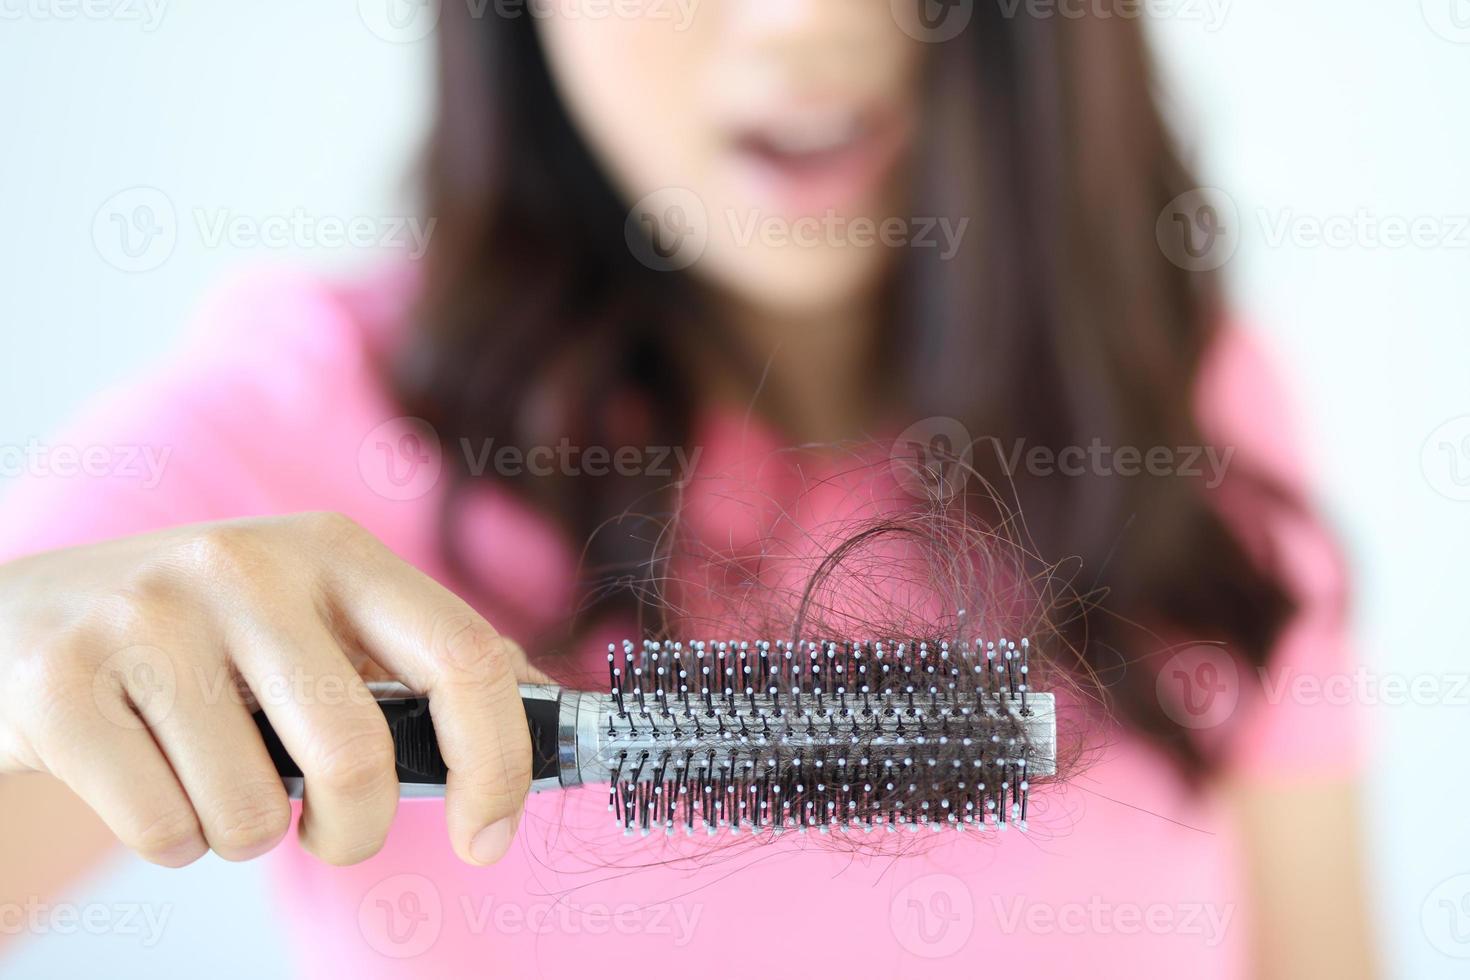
595	734
891	760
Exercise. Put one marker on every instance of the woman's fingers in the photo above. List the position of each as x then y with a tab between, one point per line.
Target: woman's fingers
99	747
216	752
476	703
158	743
469	673
440	646
336	733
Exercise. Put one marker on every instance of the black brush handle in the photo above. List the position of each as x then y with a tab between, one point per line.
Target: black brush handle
416	747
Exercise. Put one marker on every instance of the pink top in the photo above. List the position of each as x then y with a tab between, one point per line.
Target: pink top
275	407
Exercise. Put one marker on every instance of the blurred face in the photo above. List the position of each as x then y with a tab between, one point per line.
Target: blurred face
759	143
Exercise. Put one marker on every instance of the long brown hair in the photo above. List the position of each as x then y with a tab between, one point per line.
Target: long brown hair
1060	322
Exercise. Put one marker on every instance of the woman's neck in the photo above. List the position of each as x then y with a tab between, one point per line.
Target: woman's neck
817	379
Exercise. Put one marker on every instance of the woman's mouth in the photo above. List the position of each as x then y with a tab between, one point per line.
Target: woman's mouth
809	162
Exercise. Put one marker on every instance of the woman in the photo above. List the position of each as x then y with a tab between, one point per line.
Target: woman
652	233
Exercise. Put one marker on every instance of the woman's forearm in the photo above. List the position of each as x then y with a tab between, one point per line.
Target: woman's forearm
1303	847
51	839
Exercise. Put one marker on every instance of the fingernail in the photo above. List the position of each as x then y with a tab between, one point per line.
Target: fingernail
491	843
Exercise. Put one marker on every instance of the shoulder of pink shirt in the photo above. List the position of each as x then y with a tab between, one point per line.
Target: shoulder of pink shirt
1288	724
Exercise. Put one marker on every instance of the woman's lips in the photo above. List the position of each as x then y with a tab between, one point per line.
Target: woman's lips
810	163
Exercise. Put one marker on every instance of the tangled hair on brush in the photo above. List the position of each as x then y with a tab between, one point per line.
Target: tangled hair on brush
905	559
902	557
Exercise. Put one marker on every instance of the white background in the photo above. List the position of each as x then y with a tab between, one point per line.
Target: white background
1336	114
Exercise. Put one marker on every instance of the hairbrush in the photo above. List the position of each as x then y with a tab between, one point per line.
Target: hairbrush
781	735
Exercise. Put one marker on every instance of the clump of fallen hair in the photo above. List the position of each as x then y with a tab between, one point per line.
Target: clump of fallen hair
909	558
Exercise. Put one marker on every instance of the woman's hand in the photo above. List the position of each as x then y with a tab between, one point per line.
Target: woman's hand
127	669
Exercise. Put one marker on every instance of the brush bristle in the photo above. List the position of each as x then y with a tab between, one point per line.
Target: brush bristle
823	735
